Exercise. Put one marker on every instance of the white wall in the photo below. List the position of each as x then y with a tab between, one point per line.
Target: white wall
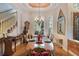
56	9
22	16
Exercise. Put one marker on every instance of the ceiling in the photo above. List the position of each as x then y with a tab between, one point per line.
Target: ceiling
39	5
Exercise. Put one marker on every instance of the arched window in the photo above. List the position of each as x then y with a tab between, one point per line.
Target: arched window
39	25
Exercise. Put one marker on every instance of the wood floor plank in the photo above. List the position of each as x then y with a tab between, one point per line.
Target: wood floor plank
23	49
74	47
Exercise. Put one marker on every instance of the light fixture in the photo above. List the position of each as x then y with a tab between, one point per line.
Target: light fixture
39	17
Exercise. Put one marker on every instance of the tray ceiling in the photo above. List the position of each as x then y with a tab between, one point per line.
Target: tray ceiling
39	5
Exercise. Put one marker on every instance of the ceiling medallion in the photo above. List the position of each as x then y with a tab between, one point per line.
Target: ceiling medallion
39	5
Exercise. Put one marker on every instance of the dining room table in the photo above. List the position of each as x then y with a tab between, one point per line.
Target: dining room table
46	44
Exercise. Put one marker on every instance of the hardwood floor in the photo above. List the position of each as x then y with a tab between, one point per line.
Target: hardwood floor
74	47
23	50
60	52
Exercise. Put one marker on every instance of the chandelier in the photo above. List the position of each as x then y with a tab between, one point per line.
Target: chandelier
39	17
